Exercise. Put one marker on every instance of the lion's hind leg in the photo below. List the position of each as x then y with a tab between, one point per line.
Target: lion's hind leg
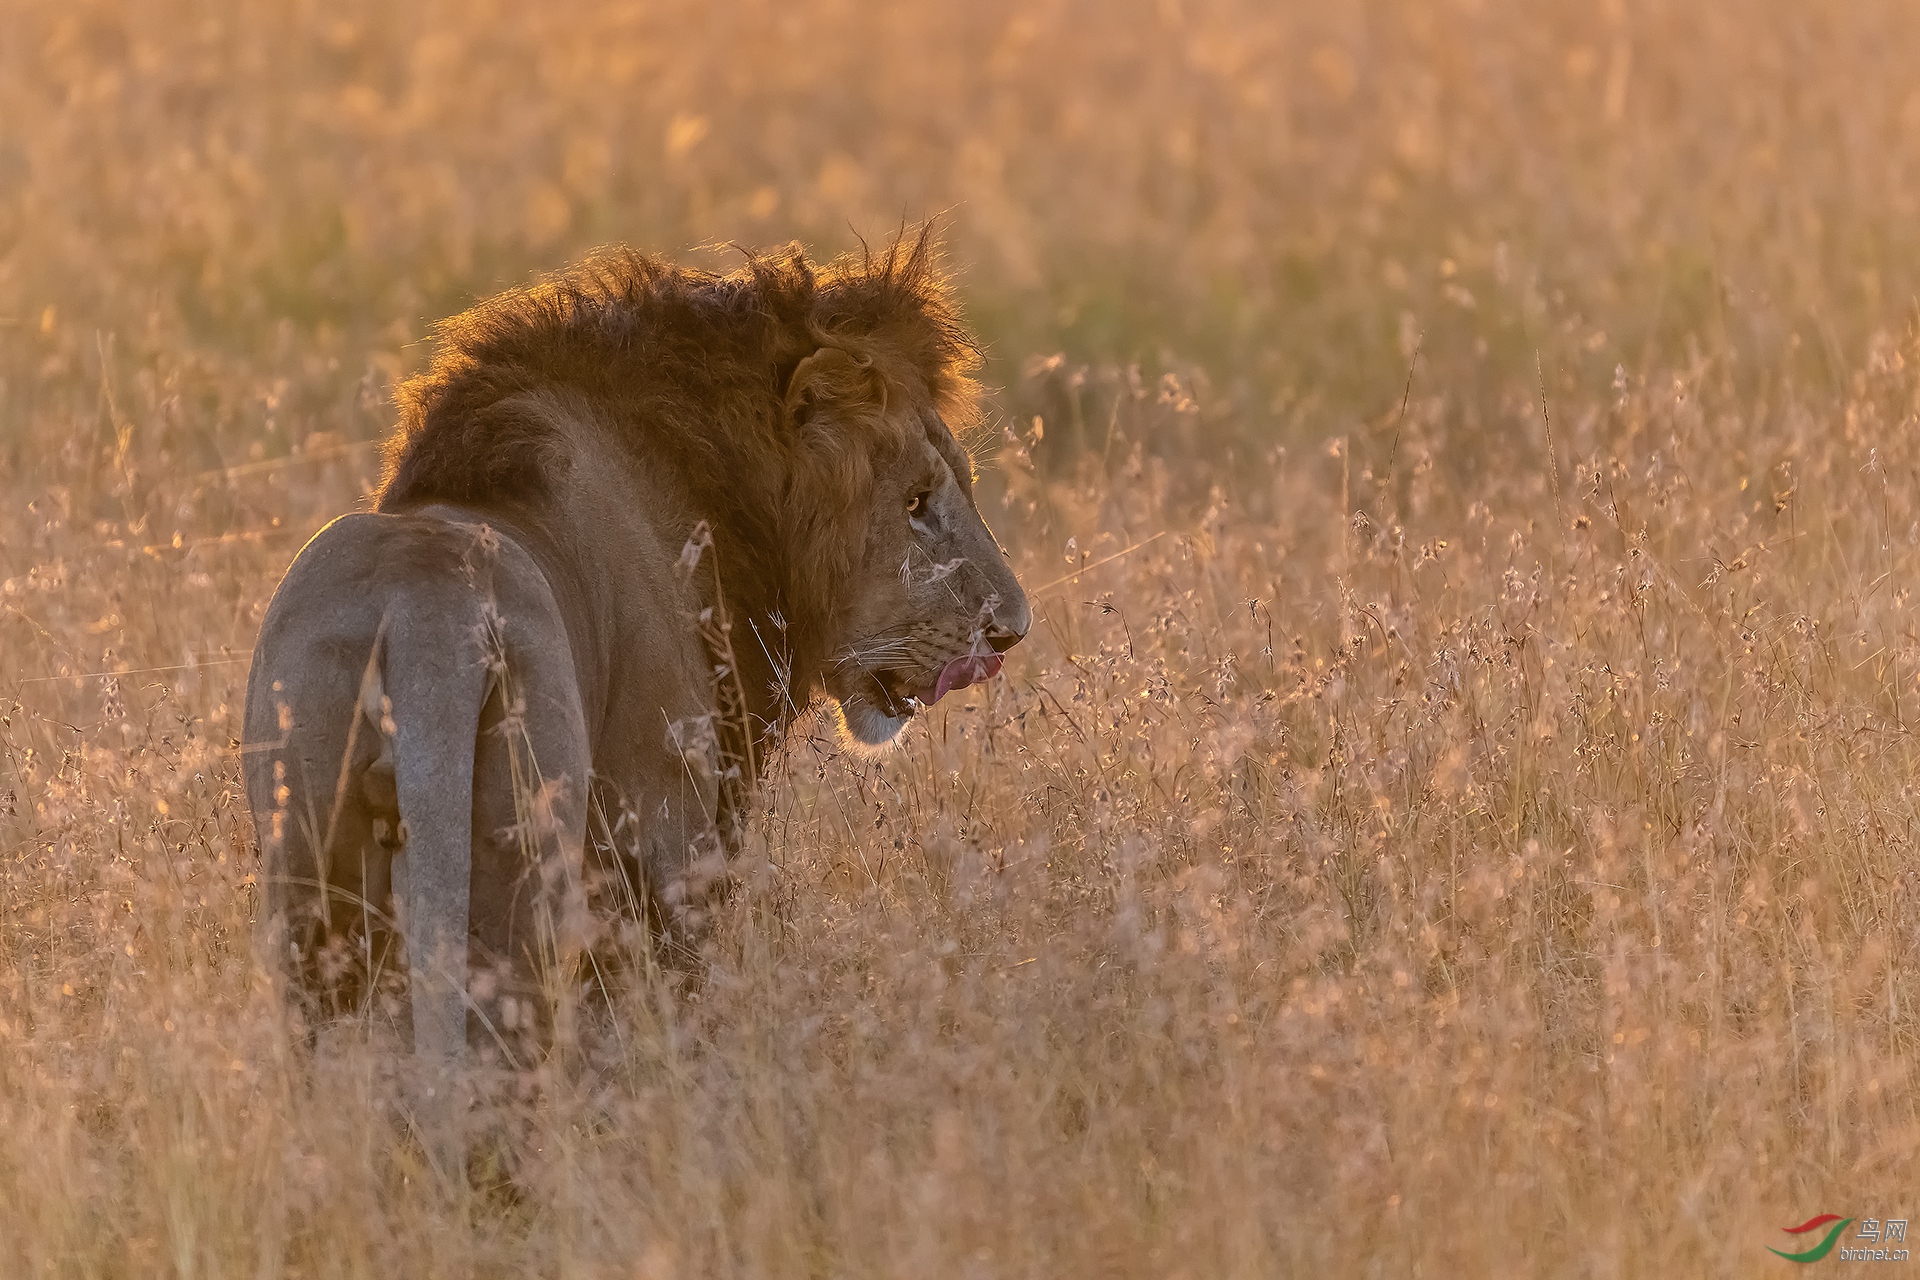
324	870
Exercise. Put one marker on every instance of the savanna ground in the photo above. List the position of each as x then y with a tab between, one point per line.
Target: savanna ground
1469	831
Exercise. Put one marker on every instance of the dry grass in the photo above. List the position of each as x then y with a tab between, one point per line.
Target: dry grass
1438	854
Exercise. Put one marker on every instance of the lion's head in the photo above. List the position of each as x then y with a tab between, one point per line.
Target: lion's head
801	411
925	602
928	603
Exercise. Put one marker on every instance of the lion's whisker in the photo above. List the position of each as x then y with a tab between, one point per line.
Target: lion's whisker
868	656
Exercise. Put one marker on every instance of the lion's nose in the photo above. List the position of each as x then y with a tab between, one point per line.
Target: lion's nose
1009	627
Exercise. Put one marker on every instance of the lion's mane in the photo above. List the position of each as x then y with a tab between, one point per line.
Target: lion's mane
719	378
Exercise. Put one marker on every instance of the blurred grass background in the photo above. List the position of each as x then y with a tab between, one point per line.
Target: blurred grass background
1449	845
1274	192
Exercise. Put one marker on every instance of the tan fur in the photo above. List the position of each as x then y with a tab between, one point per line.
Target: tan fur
635	517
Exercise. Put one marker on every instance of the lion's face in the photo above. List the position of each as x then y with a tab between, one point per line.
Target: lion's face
934	604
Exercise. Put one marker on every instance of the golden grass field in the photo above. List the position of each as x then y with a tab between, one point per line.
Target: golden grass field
1471	831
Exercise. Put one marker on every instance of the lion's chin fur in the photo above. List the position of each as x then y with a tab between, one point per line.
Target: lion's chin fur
867	727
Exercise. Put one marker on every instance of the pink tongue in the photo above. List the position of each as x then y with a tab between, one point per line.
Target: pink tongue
961	672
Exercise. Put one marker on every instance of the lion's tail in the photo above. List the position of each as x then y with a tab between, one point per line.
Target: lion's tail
436	682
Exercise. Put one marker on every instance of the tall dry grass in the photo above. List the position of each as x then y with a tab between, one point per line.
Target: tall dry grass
1469	831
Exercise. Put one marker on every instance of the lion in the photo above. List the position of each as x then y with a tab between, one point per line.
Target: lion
634	520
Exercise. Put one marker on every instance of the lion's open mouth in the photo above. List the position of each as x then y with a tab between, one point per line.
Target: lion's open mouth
908	693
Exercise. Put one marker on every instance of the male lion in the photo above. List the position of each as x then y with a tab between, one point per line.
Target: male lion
632	519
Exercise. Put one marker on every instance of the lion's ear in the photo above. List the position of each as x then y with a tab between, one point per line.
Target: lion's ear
830	376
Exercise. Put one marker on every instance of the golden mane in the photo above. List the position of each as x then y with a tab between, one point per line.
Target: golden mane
764	394
700	366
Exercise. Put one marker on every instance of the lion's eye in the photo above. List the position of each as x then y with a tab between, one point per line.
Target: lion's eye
917	505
